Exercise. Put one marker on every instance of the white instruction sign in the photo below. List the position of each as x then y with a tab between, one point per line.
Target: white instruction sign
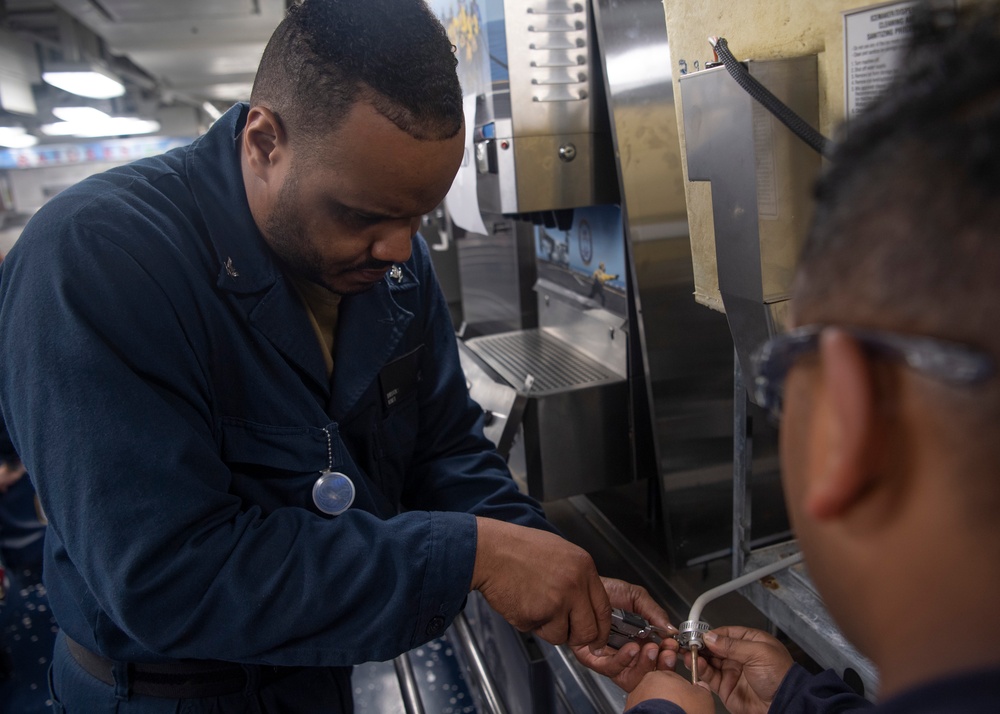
874	40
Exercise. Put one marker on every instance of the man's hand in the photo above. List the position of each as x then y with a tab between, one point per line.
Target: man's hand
744	667
10	473
633	661
692	698
541	583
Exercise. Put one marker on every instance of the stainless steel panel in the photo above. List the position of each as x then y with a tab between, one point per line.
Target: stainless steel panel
686	350
497	272
547	96
541	138
761	177
633	40
599	334
577	441
546	181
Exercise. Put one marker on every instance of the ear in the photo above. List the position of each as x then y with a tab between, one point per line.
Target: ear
264	141
844	466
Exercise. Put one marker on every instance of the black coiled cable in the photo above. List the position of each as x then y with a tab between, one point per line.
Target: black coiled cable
762	94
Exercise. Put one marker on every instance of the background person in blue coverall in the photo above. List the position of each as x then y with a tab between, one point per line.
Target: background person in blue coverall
27	630
890	469
193	341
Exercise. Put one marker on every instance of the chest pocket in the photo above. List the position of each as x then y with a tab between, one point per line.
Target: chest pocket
396	429
273	466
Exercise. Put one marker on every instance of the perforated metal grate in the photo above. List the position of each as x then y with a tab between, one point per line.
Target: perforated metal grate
553	364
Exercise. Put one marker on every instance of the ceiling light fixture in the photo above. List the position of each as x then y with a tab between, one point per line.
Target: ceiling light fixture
80	114
122	126
15	137
91	122
86	79
212	111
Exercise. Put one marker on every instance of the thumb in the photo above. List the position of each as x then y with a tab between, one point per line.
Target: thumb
740	651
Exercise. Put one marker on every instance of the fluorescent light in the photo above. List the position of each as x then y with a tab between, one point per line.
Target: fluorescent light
119	126
85	79
93	126
15	137
212	111
62	128
80	114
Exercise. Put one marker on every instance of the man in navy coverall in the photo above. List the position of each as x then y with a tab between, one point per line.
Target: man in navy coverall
208	354
889	446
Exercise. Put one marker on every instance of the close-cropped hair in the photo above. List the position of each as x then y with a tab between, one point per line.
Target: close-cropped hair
906	230
326	55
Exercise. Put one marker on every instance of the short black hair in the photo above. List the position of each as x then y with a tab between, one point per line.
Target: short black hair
906	231
328	54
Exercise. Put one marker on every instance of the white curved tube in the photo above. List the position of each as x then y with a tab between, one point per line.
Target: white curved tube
745	579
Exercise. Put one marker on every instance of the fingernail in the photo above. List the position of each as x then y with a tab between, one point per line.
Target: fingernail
652	654
671	628
711	638
599	652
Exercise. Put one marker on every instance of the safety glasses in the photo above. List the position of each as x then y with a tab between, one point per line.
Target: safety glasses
950	362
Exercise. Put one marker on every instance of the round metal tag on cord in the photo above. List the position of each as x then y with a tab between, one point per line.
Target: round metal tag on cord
333	492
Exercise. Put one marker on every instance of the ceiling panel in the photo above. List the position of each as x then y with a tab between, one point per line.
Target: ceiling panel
207	49
128	11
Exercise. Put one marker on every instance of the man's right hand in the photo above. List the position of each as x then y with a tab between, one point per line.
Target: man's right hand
744	667
541	583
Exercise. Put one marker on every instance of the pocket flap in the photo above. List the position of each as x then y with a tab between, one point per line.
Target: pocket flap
289	448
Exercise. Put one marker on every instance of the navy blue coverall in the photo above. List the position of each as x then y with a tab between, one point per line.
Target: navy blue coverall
168	395
826	693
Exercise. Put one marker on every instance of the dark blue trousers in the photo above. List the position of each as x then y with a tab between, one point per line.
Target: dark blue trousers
308	691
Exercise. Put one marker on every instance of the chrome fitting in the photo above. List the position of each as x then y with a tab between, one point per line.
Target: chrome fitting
691	632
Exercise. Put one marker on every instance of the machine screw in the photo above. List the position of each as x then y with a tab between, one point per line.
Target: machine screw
567	152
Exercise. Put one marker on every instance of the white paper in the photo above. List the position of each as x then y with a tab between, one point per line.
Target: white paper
462	200
874	40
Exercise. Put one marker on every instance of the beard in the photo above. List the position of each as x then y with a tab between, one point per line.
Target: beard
286	235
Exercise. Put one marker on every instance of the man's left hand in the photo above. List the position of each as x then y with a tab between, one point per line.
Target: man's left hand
628	665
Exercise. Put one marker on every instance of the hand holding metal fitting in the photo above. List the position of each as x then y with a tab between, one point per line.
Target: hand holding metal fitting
692	630
691	637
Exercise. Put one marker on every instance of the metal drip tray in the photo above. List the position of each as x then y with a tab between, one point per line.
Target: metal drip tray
575	417
535	362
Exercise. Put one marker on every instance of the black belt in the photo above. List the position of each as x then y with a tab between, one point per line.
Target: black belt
183	679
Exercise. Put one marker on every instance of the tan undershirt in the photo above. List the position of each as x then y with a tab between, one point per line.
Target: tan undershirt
323	308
